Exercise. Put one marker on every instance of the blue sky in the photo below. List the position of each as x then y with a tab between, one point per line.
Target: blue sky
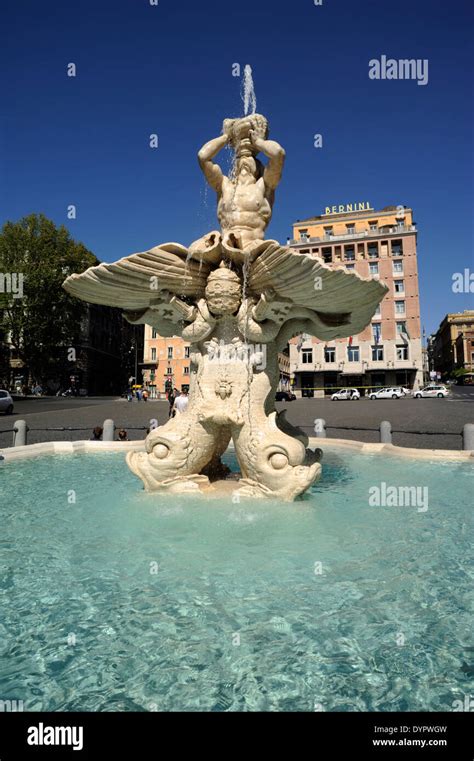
167	69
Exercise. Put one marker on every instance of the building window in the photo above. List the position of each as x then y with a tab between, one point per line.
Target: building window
377	332
351	228
307	356
327	255
378	311
377	353
329	354
398	266
169	371
328	230
153	355
399	286
353	353
397	248
349	253
399	307
401	328
373	268
350	266
185	370
373	250
154	333
373	225
186	352
304	235
402	352
170	352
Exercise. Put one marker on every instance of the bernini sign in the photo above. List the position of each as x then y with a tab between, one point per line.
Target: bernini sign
348	207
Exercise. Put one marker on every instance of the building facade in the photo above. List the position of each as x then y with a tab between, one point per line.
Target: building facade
451	347
284	366
465	351
105	351
166	363
381	244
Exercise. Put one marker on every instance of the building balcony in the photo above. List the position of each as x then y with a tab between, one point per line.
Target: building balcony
355	368
379	233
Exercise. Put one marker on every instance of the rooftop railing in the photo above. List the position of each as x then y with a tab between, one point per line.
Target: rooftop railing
380	232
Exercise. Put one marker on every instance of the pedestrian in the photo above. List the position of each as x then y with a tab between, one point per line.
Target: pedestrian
97	433
171	398
181	402
123	435
145	395
129	395
138	394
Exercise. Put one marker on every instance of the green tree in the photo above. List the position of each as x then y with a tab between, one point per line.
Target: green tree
41	320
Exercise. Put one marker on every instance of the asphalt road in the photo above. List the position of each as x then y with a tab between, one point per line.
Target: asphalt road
444	417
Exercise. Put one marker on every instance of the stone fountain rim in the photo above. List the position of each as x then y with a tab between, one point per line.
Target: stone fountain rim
30	451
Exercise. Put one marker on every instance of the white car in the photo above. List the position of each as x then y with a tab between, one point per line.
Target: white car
346	393
429	392
401	390
386	393
6	403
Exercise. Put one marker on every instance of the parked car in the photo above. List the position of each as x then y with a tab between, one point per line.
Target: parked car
284	396
386	393
429	392
345	393
6	403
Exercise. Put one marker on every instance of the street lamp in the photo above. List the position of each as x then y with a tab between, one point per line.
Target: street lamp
134	346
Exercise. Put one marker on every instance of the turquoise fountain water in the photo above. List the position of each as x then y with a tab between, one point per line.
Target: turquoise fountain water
128	601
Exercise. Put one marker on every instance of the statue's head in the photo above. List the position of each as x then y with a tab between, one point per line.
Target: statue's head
223	291
248	170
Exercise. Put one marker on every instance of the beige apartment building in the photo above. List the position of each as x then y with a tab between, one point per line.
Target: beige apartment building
376	243
166	363
452	344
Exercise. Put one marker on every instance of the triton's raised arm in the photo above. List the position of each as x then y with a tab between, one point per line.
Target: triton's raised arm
212	172
276	154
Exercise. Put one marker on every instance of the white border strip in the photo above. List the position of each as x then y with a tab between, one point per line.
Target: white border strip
70	447
361	447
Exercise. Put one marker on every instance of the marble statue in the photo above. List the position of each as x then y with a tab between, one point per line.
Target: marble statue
237	299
